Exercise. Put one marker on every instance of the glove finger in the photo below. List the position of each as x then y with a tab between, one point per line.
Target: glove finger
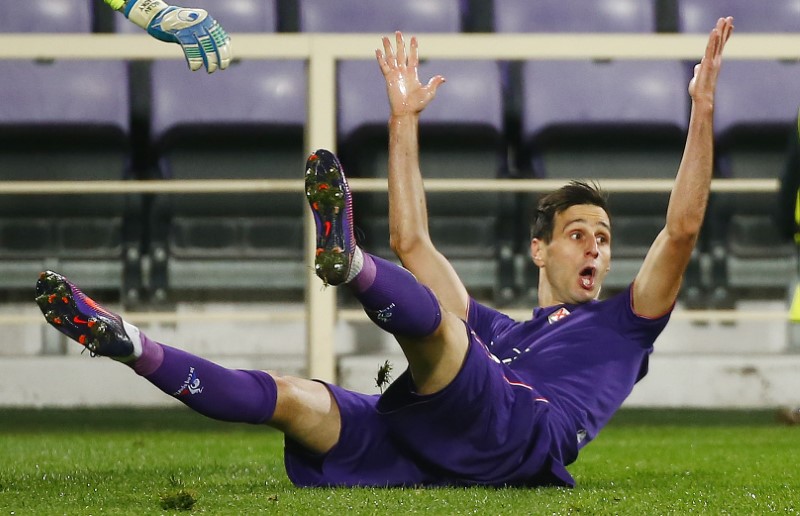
223	44
209	52
194	56
224	55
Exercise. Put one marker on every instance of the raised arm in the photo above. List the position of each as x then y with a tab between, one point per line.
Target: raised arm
204	42
658	281
408	215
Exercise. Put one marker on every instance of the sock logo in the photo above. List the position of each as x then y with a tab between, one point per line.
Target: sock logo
190	386
384	314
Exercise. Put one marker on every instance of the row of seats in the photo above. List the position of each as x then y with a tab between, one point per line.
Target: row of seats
615	119
504	16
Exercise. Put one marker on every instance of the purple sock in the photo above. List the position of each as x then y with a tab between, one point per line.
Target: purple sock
210	389
394	299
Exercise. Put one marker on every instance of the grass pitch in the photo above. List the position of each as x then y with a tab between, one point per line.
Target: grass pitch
176	462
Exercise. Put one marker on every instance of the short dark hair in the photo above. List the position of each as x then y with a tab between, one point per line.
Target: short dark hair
571	194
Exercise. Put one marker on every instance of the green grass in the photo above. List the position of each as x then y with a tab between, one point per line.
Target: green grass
160	462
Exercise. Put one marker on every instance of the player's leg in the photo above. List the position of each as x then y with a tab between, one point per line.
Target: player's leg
306	412
301	408
433	340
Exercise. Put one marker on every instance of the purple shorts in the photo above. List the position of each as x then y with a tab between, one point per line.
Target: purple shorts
485	428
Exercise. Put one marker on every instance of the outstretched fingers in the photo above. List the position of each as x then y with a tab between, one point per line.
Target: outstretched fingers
718	37
382	61
705	73
413	57
396	58
400	45
434	83
386	59
727	30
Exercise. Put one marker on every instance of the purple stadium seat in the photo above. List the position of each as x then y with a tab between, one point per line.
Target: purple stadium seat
754	114
257	92
742	85
572	94
250	93
756	95
568	85
51	16
608	120
65	120
246	122
92	93
234	15
381	16
574	16
755	110
598	119
362	92
700	16
470	98
461	133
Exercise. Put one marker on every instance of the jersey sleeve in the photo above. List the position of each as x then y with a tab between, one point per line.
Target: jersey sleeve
487	323
640	329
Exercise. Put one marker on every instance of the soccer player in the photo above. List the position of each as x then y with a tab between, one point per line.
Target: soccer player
485	400
204	42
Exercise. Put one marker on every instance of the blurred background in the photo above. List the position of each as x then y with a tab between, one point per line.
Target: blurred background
224	274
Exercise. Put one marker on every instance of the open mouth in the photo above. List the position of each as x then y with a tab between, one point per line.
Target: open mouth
587	275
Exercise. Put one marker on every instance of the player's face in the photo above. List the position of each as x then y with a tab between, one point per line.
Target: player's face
577	259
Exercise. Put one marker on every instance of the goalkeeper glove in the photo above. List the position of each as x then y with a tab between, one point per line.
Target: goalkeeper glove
204	41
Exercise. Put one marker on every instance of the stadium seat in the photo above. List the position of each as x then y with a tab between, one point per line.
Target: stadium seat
66	121
753	121
461	135
700	16
233	15
46	16
599	120
611	120
574	16
379	16
244	123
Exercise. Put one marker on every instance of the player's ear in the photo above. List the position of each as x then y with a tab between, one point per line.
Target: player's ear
538	251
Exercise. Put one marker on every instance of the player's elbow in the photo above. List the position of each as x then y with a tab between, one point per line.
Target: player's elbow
683	225
684	233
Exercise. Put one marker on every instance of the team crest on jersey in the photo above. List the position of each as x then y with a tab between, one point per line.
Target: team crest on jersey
558	315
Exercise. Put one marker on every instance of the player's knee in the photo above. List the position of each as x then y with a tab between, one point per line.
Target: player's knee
296	397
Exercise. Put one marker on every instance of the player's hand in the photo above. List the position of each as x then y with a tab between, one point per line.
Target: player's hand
406	94
704	82
204	42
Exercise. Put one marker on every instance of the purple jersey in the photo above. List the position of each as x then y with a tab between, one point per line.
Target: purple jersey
584	359
527	397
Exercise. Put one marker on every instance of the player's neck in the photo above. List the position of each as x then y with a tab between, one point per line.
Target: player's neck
545	294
